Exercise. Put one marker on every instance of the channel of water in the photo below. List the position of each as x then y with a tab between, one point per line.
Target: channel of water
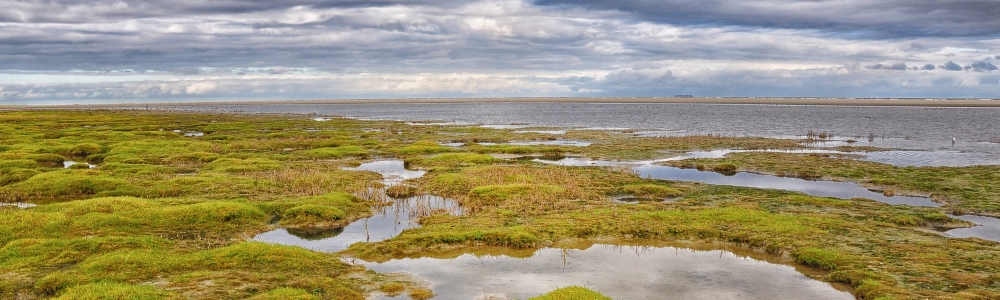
842	190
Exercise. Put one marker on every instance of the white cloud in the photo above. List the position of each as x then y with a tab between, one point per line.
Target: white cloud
493	47
200	88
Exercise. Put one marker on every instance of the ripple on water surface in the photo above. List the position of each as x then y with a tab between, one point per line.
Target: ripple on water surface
616	271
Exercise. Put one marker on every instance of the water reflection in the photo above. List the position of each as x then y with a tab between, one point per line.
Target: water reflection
542	131
386	223
842	190
554	143
70	163
619	272
899	158
895	127
393	171
21	205
987	228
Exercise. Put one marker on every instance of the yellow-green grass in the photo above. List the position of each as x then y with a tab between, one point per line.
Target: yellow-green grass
572	293
178	210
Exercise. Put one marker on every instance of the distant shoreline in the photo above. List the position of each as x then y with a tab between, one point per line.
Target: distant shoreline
768	101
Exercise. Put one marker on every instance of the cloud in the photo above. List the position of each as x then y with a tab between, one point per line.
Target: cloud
187	71
110	49
951	66
200	88
887	18
982	66
894	67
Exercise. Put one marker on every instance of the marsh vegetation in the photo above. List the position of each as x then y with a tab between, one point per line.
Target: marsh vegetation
166	214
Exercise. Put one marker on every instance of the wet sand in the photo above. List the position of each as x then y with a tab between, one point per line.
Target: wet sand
773	101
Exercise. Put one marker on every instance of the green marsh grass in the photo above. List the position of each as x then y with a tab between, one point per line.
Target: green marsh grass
572	293
168	216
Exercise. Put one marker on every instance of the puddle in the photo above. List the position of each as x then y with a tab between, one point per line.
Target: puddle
70	163
20	205
387	222
604	128
542	131
393	171
616	271
451	123
629	199
842	190
987	228
722	153
572	143
940	158
194	133
509	126
659	133
899	158
554	143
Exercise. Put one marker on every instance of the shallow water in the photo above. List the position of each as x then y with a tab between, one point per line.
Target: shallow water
616	271
916	128
842	190
542	131
451	123
393	171
386	223
70	163
987	229
554	143
505	126
20	205
899	158
572	143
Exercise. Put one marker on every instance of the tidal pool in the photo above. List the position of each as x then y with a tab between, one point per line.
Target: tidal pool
393	171
987	228
899	158
70	163
386	223
842	190
505	126
20	205
573	143
620	272
554	143
542	131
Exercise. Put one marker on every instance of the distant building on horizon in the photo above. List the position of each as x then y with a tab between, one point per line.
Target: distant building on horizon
683	96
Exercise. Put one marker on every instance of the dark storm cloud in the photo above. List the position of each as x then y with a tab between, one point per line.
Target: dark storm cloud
894	67
187	71
951	66
83	11
982	66
884	18
391	48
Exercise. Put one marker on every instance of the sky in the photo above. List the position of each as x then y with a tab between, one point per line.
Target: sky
100	51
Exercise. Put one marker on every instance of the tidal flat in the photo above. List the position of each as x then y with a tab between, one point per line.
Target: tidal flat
149	211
